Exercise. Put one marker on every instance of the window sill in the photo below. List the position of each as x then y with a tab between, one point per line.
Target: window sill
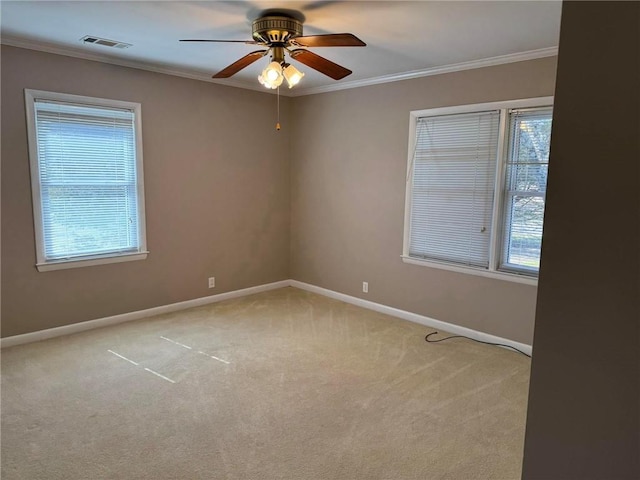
508	277
90	261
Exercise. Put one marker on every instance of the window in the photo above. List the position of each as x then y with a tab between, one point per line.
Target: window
525	186
476	185
87	180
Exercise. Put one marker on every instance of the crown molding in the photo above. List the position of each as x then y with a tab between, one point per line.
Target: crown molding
299	92
140	65
457	67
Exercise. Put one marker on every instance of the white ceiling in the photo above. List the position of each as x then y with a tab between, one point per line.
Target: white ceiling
403	39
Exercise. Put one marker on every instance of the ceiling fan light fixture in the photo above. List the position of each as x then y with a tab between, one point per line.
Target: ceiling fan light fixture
273	72
266	83
272	75
281	32
292	75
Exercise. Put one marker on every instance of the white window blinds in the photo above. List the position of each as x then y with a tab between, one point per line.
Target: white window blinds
453	186
86	159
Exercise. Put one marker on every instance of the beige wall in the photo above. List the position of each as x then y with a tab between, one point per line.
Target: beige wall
349	157
218	205
584	405
216	188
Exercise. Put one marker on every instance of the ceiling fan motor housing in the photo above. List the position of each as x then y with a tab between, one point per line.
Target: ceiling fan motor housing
276	29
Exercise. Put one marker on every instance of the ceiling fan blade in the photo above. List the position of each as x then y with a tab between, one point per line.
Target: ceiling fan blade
238	65
330	40
320	64
249	42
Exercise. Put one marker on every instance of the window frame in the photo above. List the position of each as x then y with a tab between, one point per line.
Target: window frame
498	212
42	264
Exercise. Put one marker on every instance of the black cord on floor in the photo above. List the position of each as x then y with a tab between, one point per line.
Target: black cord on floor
479	341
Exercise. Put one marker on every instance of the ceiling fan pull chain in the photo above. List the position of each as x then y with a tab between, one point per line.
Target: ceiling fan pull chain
278	109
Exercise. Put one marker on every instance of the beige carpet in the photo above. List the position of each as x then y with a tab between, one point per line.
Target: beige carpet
313	389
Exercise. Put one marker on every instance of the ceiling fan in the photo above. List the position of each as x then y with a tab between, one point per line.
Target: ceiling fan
281	32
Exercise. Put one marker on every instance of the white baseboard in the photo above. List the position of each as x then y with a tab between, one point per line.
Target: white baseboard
412	317
127	317
197	302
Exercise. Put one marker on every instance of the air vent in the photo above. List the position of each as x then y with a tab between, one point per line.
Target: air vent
104	42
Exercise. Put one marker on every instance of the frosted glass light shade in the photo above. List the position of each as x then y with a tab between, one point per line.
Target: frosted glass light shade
293	75
272	75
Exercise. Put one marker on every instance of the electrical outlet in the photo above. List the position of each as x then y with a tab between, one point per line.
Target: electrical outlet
212	282
365	287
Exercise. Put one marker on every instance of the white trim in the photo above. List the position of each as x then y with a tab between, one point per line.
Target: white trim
91	261
497	221
296	92
496	274
84	100
427	72
137	315
197	302
142	214
34	173
412	317
479	107
409	182
84	55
